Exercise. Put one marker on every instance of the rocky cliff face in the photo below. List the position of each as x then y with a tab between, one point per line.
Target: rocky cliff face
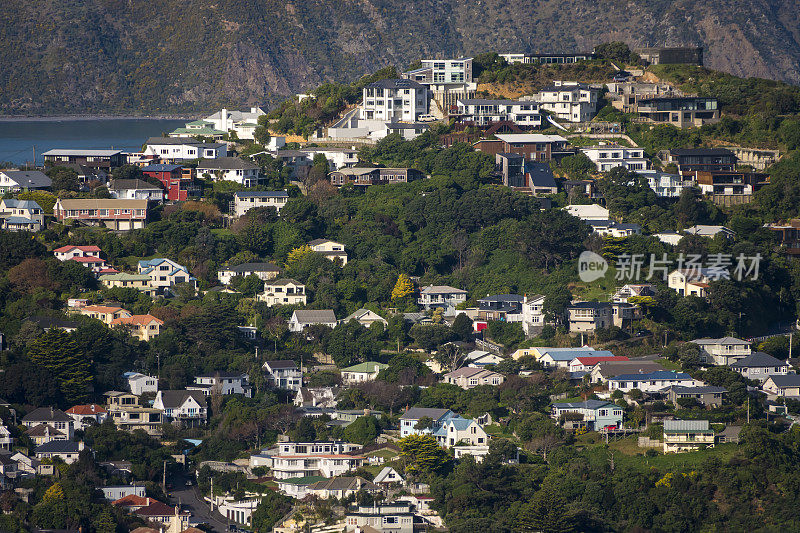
138	55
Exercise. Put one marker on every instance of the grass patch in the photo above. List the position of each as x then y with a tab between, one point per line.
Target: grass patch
669	365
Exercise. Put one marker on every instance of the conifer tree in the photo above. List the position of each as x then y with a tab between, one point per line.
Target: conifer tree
57	351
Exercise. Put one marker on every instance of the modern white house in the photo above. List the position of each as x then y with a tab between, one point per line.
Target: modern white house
302	459
264	271
330	249
183	407
570	101
223	383
140	383
234	169
338	158
241	123
284	374
394	101
170	149
652	381
448	80
244	201
483	112
588	212
283	292
664	184
608	157
532	314
434	296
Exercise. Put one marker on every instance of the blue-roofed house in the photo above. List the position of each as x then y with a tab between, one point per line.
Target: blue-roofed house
21	215
165	273
562	357
457	430
244	201
652	381
591	414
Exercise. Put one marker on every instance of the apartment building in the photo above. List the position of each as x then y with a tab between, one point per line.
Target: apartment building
608	157
399	100
244	201
570	101
128	414
326	459
447	79
483	113
118	215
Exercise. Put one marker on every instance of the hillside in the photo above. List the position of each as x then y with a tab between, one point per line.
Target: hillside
63	56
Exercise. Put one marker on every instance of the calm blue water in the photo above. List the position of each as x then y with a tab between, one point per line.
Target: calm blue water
18	137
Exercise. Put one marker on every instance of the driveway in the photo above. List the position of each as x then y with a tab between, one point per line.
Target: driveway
192	501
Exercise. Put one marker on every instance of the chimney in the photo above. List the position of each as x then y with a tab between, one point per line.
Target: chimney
224	118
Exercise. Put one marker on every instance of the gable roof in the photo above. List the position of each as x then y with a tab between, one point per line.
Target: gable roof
569	355
415	413
789	380
28	178
86	410
368	367
441	289
288	363
172	399
158	509
20	204
59	446
758	360
588	404
361	313
69	248
46	414
722	340
615	368
384	473
137	320
541	174
315	316
686	425
43	430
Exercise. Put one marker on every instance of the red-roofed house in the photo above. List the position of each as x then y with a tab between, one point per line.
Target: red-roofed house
133	502
143	327
86	415
586	364
68	252
162	513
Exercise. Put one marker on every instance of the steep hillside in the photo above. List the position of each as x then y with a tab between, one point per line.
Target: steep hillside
138	55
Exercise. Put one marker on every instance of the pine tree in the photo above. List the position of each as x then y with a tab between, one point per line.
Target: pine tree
422	454
403	287
58	351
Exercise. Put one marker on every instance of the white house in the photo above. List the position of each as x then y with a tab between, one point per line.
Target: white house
165	273
411	417
224	383
607	157
140	383
68	252
87	415
482	112
387	476
532	314
652	381
326	459
588	212
54	418
116	492
242	123
182	406
366	318
23	180
330	249
448	80
611	228
710	231
457	430
235	169
302	318
669	237
239	511
569	100
135	189
434	296
21	215
67	450
171	149
264	271
283	292
338	158
398	100
664	184
362	372
724	351
787	386
284	374
689	282
244	201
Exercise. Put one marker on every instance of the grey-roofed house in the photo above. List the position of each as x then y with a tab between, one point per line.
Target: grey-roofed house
135	189
787	386
21	215
264	270
67	450
413	415
687	435
723	351
589	316
606	370
235	169
52	417
23	180
95	159
341	487
366	318
593	415
222	383
444	296
302	318
182	407
707	395
284	374
244	201
500	307
759	366
540	178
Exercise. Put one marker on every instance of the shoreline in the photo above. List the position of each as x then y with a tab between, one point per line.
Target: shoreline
61	118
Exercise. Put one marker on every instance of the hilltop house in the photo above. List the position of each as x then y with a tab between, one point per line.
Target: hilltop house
23	180
330	249
165	274
593	415
224	383
690	282
284	375
21	215
235	169
434	296
687	435
302	318
118	215
469	377
184	407
138	383
283	292
632	290
569	100
448	80
240	123
244	201
724	351
264	271
395	100
483	113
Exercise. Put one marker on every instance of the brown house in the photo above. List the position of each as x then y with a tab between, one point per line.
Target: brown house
365	176
531	146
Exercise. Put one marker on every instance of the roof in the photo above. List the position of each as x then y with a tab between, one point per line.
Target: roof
415	413
315	316
441	289
181	141
482	101
789	380
43	430
686	425
315	242
139	320
46	322
704	389
701	151
131	500
21	204
105	203
59	446
592	360
160	167
361	313
305	480
79	152
588	404
395	84
19	220
281	364
722	340
502	298
86	410
158	509
368	367
285	281
469	371
226	163
102	308
28	178
138	184
172	399
46	414
124	276
261	194
758	360
343	483
657	374
252	267
68	248
541	174
530	138
89	259
588	305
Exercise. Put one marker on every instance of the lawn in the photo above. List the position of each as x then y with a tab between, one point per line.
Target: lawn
631	454
669	365
496	430
386	454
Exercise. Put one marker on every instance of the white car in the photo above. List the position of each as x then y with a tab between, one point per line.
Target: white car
426	118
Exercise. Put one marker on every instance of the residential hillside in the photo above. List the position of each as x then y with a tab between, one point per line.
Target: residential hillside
135	55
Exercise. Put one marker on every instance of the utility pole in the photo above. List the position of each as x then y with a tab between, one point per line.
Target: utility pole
791	335
748	409
164	478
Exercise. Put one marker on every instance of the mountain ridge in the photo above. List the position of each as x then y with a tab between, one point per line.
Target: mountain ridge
115	56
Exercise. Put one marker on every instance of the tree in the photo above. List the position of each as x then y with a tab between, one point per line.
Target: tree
422	455
272	507
555	303
403	287
261	133
304	431
31	274
350	343
58	352
363	430
577	166
63	178
462	326
424	423
128	172
450	356
616	51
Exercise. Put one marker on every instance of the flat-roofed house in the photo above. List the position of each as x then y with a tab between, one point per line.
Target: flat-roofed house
244	201
264	271
94	159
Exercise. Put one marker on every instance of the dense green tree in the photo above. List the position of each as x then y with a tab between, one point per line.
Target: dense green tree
363	430
58	352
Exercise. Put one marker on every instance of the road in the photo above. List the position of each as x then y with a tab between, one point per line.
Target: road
190	499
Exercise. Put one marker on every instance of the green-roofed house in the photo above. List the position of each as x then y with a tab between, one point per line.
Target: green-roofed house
128	281
198	128
297	487
362	372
